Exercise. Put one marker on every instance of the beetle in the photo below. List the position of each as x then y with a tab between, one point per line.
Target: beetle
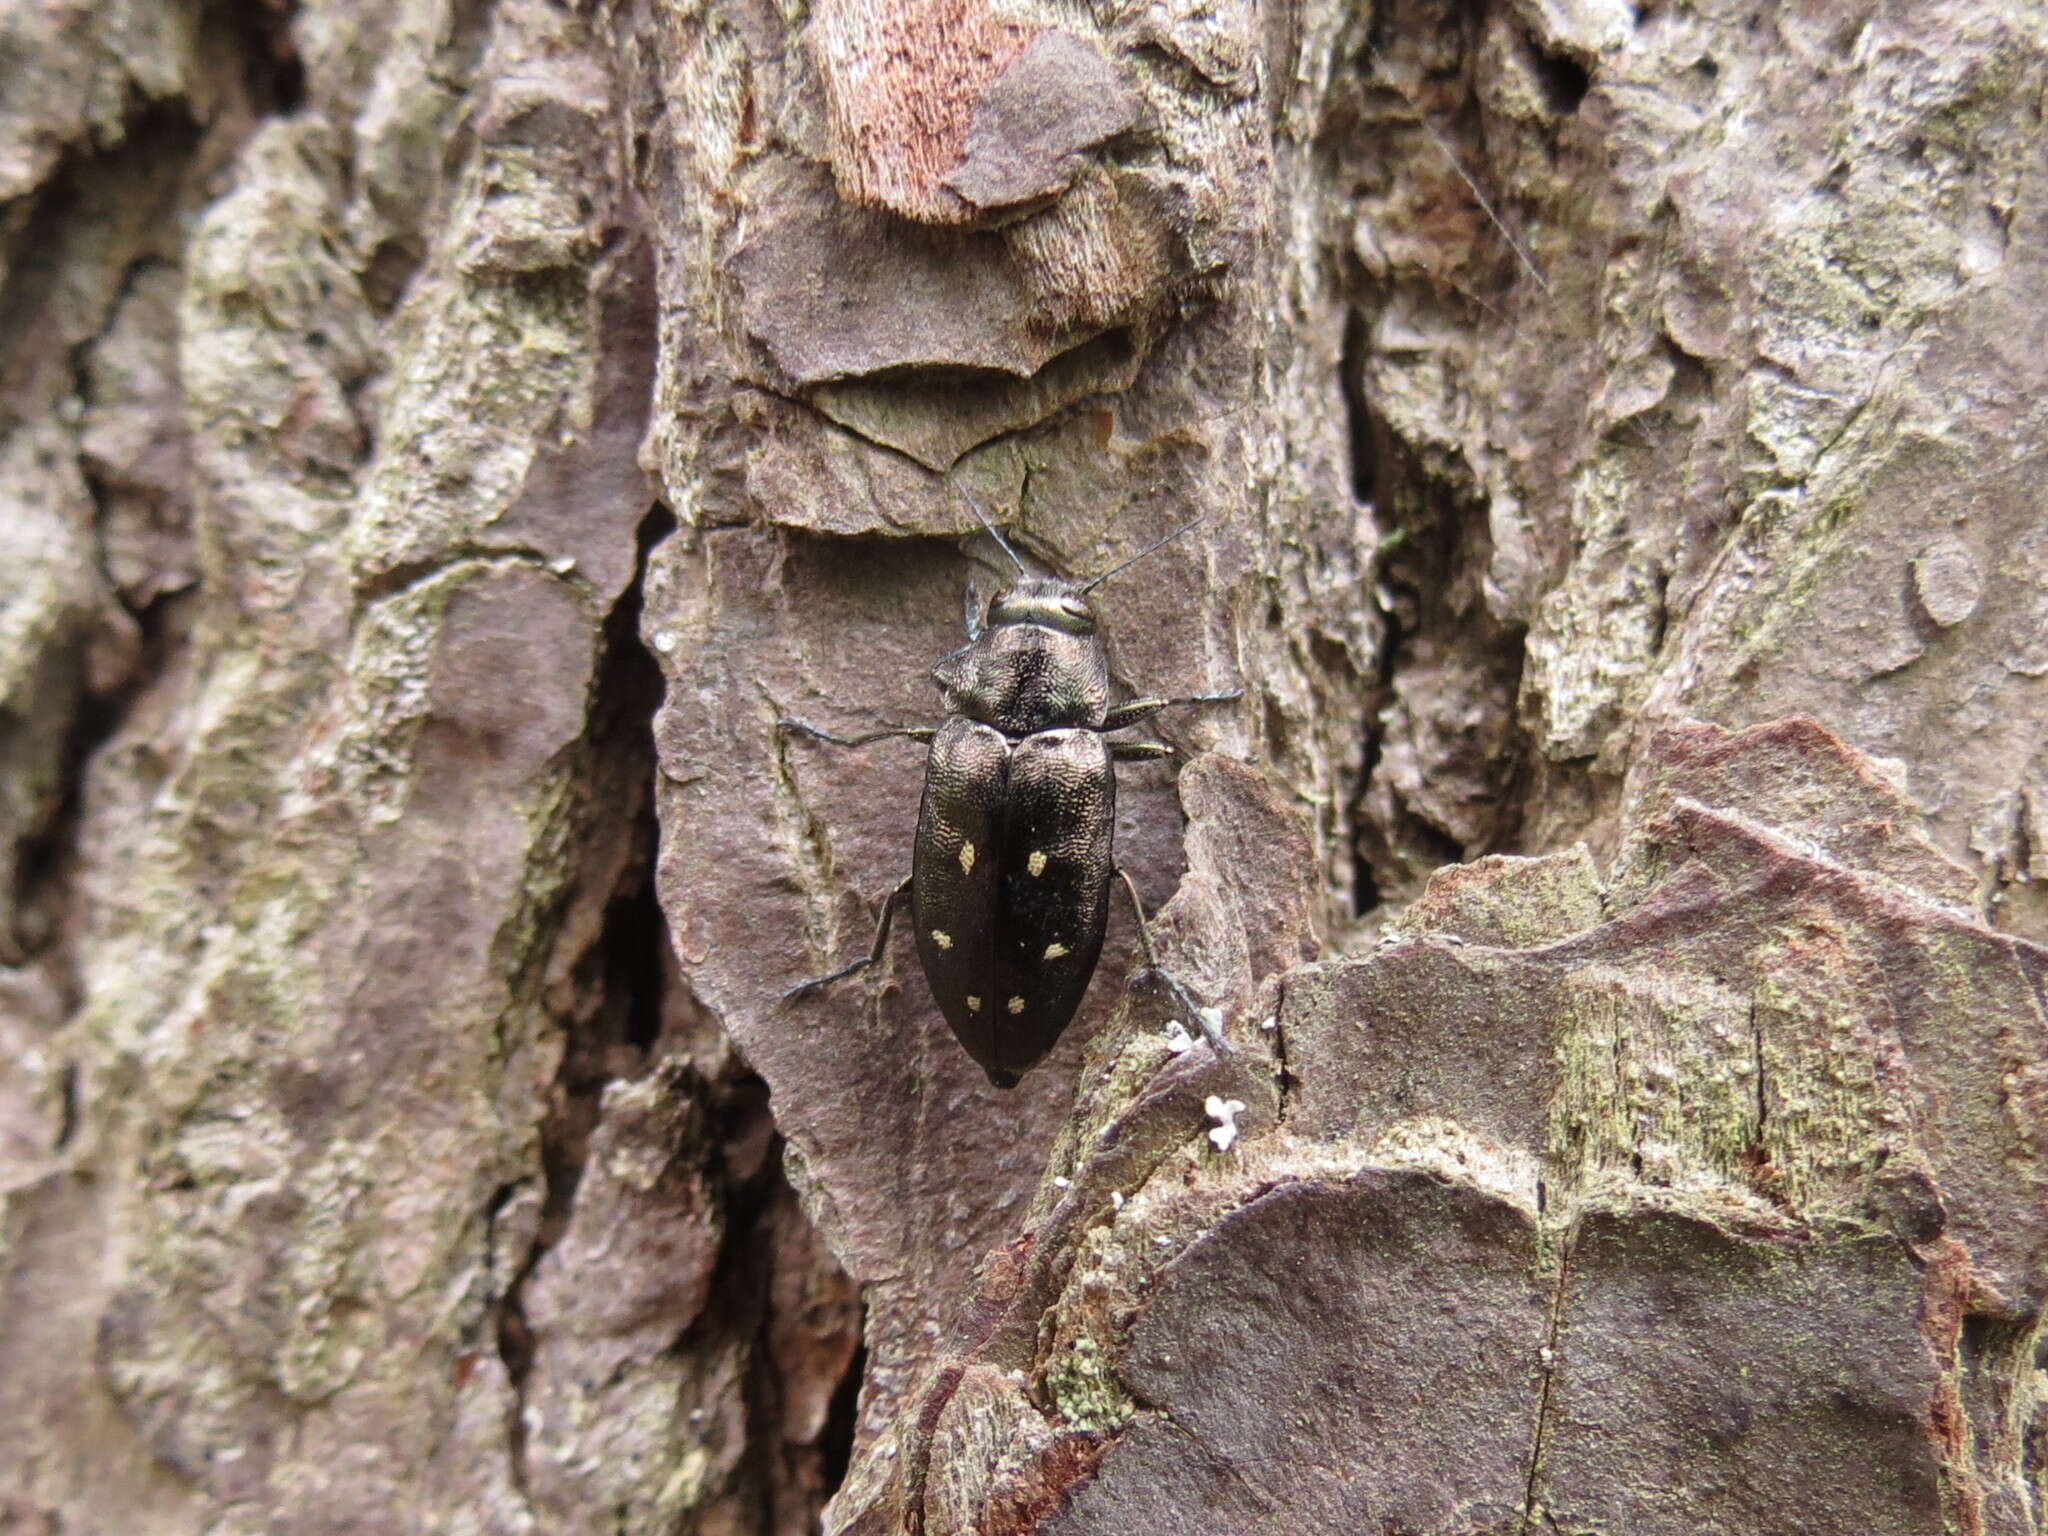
1011	871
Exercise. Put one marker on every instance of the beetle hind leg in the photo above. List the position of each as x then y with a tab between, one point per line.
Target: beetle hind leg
873	956
1201	1018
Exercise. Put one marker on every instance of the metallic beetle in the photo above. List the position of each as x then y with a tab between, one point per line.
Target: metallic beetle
1010	879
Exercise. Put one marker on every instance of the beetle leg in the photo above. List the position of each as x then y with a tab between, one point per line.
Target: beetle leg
881	946
1139	751
1131	711
804	728
1202	1021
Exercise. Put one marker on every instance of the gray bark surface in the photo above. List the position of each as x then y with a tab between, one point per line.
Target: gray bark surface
438	441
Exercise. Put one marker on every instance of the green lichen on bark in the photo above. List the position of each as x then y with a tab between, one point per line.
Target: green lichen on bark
1084	1390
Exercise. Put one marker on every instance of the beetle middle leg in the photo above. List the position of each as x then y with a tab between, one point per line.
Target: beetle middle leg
874	955
1140	751
805	728
1203	1022
1131	711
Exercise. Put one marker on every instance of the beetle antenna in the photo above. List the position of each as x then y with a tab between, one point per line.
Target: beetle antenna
986	564
1141	554
994	532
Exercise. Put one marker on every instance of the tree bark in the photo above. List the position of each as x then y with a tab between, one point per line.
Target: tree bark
438	442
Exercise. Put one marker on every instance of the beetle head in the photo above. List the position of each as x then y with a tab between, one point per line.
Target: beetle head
1045	600
1049	600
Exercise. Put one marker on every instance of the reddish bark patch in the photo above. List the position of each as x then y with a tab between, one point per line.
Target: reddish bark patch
901	81
940	111
1043	1487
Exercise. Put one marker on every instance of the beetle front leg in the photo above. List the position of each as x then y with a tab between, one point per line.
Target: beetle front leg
1210	1031
881	947
805	728
1131	711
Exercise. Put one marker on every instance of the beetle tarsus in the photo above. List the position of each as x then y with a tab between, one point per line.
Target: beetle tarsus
804	988
873	956
1197	1016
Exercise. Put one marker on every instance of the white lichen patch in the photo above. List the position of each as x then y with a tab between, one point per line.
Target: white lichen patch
1223	1134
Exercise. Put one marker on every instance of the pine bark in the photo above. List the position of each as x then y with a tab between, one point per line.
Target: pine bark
438	443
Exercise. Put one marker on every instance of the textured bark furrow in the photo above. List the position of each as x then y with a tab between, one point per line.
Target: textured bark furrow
370	985
91	478
1676	413
1444	774
1543	1421
605	992
109	128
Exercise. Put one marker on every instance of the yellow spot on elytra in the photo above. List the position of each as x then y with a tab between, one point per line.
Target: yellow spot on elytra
967	858
942	938
1054	951
1036	863
1016	1005
974	1005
